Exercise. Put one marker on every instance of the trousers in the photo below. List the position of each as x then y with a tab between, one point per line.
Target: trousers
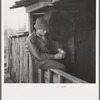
51	64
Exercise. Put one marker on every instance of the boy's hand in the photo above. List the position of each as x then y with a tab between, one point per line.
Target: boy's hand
62	52
58	56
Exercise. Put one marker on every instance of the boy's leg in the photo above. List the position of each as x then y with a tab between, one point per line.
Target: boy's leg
51	64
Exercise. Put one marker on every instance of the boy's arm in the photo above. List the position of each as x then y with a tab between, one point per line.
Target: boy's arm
35	50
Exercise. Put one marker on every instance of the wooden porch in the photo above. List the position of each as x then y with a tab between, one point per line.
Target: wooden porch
22	67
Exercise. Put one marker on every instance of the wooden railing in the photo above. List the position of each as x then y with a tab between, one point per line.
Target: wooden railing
22	67
56	76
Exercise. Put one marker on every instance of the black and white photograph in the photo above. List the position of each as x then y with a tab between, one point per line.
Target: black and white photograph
56	44
50	43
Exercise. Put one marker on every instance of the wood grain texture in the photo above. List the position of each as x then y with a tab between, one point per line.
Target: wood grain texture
25	62
68	76
60	79
40	76
30	69
9	55
85	55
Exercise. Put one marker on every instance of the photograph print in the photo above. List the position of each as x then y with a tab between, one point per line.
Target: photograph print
50	41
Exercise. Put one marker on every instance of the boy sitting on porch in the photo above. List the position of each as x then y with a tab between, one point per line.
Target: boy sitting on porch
40	48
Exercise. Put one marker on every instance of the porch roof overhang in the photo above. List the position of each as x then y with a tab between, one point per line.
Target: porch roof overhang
26	3
23	3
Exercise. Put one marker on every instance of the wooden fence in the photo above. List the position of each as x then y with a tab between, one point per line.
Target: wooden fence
22	67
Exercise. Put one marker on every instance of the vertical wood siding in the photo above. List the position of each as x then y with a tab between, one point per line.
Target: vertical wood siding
18	59
85	55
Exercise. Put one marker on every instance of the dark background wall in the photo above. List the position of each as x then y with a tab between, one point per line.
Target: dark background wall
82	44
82	50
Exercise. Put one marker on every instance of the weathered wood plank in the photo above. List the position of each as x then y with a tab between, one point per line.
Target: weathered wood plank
60	79
38	6
40	76
9	55
12	62
55	77
68	76
30	22
30	69
50	75
17	62
84	50
20	34
26	63
21	61
45	76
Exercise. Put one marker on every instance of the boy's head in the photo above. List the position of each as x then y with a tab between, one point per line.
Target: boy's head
41	26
